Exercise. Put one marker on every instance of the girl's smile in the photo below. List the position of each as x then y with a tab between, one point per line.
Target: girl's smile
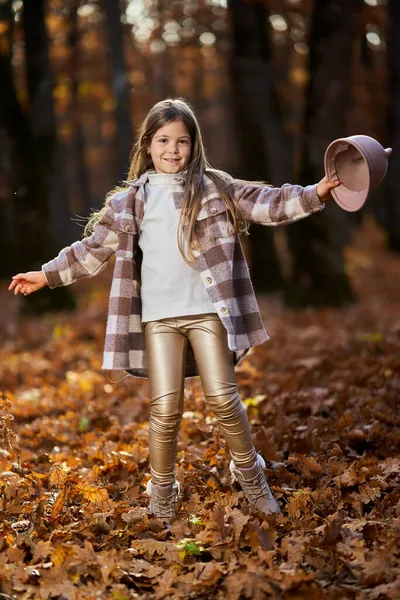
170	148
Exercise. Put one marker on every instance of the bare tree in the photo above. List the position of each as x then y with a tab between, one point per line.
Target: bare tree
124	136
391	201
31	142
263	148
79	168
318	275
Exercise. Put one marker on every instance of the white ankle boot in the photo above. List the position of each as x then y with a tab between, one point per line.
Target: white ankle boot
253	483
163	499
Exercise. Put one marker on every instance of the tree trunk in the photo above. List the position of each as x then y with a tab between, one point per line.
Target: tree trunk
391	203
318	274
262	145
124	136
31	141
7	242
79	167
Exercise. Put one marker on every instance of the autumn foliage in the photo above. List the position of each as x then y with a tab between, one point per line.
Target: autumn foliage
322	397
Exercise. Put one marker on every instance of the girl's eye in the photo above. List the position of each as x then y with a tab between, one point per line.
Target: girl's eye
162	140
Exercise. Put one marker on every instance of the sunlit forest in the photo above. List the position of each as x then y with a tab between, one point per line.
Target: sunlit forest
273	83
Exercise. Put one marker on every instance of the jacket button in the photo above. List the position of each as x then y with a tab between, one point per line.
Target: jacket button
224	309
208	280
128	227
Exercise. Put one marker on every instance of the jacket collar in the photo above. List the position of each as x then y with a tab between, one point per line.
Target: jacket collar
210	203
145	177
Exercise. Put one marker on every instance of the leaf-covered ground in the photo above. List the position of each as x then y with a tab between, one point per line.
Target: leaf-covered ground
323	400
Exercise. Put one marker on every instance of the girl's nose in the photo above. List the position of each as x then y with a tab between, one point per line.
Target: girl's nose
174	148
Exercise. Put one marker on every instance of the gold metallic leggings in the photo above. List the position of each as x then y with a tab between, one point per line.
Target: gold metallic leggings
166	347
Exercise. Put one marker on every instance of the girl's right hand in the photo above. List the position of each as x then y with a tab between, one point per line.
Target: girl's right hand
26	283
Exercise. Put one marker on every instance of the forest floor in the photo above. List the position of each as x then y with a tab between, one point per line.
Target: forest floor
323	400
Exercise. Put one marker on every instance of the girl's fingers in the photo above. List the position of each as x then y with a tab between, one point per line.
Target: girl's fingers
18	288
16	279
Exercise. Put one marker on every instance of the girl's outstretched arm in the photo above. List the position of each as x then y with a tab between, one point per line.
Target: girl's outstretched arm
265	205
86	257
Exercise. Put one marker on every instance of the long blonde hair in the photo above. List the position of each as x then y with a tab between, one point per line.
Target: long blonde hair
162	113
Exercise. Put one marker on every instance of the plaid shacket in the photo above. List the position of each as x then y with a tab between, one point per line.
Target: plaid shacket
220	262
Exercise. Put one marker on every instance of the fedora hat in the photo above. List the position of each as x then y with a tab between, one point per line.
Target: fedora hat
360	163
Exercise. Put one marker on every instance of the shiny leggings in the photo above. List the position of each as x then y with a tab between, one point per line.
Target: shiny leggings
166	348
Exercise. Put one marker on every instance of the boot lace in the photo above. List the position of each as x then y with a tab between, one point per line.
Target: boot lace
256	488
165	506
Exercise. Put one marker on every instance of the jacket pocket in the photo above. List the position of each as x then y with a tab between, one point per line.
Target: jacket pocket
212	208
124	224
214	221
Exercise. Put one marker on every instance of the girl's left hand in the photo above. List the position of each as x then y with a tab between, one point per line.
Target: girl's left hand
324	187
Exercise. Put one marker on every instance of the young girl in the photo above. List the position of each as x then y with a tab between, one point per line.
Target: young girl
181	301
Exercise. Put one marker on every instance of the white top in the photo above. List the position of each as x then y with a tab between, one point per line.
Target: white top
170	287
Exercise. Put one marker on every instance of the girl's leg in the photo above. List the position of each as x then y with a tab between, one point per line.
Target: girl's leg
166	350
208	338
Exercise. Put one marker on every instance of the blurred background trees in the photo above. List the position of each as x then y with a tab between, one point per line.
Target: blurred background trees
273	82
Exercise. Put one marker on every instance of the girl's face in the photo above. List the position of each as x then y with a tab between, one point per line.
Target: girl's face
170	148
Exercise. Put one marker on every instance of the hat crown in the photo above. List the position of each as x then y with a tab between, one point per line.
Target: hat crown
360	162
375	155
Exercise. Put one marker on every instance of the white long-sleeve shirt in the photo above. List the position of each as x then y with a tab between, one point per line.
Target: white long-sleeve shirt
169	286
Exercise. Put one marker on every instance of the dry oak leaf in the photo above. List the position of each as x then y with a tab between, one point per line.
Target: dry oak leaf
41	550
91	492
134	515
59	503
166	581
236	584
386	590
59	475
15	555
152	547
390	466
109	562
60	554
252	583
140	565
299	502
352	476
307	465
239	520
210	575
368	493
264	536
294	578
65	590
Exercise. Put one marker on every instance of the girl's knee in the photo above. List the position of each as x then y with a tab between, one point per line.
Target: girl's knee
226	405
166	423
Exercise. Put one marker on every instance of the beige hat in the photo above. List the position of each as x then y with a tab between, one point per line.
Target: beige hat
360	163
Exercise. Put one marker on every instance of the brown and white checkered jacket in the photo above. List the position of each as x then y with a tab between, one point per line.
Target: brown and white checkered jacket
220	262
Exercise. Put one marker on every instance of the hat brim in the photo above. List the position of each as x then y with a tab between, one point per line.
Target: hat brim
348	199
